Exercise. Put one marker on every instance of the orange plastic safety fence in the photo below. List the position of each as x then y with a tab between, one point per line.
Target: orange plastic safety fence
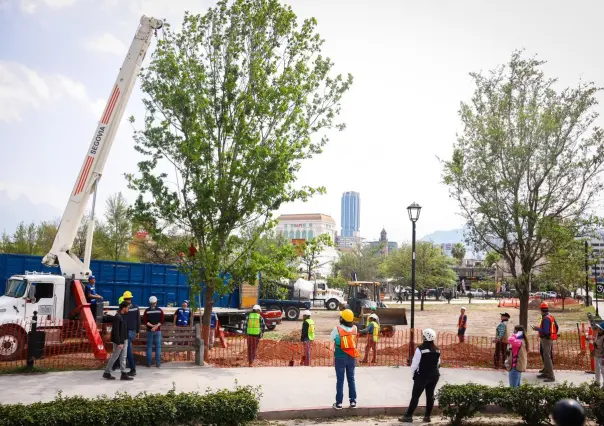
67	348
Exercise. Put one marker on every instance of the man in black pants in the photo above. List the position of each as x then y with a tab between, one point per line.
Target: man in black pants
425	367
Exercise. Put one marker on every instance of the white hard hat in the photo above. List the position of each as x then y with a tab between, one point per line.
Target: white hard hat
463	308
256	308
306	313
153	299
429	335
374	316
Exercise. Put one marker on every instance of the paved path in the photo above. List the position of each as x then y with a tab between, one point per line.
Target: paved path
283	388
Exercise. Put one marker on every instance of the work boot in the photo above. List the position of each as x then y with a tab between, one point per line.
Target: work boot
125	376
406	419
108	376
132	372
542	376
549	380
427	419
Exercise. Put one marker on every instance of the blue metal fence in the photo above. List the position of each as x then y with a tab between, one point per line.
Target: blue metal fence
113	278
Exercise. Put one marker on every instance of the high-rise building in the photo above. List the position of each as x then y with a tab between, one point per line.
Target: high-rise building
351	214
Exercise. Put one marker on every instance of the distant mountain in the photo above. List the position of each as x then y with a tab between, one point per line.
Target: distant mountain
444	237
13	212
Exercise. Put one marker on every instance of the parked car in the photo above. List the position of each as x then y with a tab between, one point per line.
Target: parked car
478	292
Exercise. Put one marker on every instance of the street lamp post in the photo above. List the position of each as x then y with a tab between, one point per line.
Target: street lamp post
413	210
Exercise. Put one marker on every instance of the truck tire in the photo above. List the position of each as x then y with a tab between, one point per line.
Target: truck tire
332	304
12	343
292	313
271	327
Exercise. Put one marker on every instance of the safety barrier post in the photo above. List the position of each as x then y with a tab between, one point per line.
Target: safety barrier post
583	337
591	349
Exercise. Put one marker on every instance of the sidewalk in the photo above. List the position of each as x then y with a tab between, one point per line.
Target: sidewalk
283	388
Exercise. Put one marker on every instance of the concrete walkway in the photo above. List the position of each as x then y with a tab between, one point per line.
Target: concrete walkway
283	388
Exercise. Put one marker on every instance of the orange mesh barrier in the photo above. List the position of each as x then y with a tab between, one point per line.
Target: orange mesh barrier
67	348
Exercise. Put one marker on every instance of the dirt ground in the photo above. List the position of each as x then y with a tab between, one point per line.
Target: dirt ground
442	317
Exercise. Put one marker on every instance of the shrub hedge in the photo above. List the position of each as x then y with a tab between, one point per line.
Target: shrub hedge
531	402
221	408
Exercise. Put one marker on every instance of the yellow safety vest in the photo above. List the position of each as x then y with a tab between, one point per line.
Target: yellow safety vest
311	329
376	332
253	324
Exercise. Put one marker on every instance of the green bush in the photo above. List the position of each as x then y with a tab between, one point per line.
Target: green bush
460	402
221	408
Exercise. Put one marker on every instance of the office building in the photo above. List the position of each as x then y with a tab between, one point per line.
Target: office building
351	214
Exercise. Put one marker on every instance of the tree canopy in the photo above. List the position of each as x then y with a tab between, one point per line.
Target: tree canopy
528	158
235	102
364	260
458	251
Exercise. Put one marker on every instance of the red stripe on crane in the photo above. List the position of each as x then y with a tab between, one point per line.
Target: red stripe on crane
84	175
111	105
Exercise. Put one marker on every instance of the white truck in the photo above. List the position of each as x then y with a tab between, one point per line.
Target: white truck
318	292
58	297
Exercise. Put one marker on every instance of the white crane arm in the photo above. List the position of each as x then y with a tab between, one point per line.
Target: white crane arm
96	156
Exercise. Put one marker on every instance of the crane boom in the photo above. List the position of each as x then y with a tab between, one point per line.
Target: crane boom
96	156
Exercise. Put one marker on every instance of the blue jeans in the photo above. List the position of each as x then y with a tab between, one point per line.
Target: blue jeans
515	378
345	366
131	337
154	337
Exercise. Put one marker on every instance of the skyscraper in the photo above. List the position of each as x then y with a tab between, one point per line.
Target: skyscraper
351	214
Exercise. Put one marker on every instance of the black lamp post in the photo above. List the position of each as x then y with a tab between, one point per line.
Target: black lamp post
414	209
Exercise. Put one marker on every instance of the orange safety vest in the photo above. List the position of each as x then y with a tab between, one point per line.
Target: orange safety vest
553	327
461	323
348	342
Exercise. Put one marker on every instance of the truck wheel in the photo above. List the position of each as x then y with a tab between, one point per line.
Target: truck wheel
12	343
271	327
332	304
292	313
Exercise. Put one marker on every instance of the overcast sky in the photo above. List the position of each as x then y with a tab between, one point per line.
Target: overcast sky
410	60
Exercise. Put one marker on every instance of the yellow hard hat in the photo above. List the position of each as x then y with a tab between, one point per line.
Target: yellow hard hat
347	315
127	295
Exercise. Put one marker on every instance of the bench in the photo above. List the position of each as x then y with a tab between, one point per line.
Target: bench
174	339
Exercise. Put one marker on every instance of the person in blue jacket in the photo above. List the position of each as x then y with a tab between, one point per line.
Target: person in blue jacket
92	296
182	316
213	325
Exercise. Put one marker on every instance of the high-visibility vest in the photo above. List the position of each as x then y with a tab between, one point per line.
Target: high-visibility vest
348	342
376	332
253	324
182	317
311	329
120	300
369	322
462	323
553	326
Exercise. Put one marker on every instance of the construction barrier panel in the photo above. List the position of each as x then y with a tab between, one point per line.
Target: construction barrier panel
67	348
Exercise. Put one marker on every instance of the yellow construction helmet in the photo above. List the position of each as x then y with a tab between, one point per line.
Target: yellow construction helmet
127	295
347	315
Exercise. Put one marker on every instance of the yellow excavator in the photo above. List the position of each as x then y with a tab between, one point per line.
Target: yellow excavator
364	297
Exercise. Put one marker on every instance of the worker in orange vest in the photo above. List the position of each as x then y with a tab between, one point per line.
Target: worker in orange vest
462	323
548	333
346	353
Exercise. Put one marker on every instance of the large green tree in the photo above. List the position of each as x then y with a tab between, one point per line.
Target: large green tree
528	155
310	253
364	260
233	103
458	251
117	228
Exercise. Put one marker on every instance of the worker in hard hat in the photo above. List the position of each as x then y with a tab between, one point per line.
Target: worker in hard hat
346	353
133	322
548	333
213	326
254	327
425	367
153	318
373	336
308	336
127	295
92	296
182	316
373	312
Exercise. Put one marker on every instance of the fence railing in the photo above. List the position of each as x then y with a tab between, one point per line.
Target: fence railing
67	348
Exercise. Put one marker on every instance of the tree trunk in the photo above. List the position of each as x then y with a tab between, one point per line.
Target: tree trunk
207	313
422	299
524	300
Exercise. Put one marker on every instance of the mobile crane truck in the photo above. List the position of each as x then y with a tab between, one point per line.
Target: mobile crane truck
58	297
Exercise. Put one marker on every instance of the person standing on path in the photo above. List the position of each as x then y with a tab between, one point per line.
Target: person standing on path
308	336
425	368
346	354
213	326
598	354
133	321
182	316
153	319
519	356
548	332
254	328
462	324
502	334
119	338
373	336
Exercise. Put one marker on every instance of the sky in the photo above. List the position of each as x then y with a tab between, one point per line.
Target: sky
410	60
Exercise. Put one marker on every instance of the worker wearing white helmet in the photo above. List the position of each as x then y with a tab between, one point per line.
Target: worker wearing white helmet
153	318
373	336
425	367
308	336
254	327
